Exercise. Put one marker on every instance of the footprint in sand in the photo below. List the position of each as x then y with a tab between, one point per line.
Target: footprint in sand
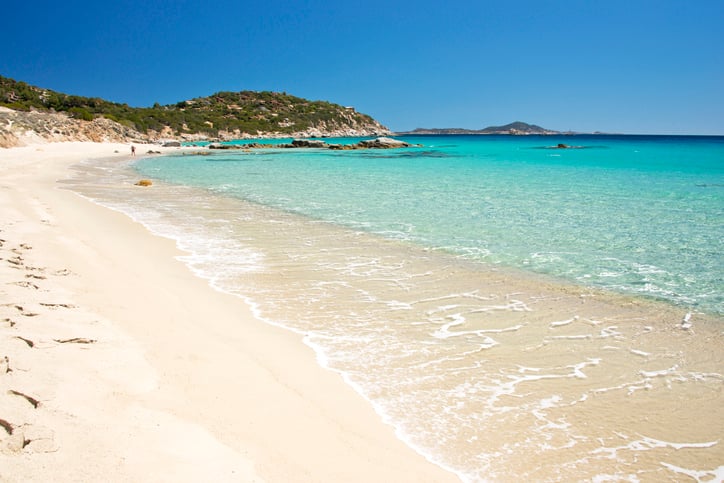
6	426
29	342
76	340
25	284
26	438
23	312
12	441
56	306
16	262
33	401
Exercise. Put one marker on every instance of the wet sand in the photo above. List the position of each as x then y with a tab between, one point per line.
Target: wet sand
116	361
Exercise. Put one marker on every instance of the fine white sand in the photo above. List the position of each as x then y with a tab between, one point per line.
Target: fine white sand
116	363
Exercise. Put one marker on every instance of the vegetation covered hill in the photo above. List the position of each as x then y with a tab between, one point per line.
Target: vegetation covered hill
224	114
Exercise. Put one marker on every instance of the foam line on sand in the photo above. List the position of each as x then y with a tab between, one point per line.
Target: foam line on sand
116	362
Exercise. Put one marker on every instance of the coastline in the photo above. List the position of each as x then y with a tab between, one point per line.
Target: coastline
140	369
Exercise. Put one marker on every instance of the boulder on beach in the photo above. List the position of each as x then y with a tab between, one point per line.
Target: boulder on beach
144	182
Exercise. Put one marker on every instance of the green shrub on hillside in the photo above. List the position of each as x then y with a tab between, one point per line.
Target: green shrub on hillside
247	111
80	113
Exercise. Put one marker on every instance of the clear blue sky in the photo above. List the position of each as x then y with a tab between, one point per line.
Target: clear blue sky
617	66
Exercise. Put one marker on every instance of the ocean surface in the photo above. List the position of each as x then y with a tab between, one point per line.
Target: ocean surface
516	311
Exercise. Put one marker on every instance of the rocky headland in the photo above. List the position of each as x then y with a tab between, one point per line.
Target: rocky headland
23	128
30	114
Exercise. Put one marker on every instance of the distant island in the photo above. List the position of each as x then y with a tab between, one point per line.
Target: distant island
514	128
27	111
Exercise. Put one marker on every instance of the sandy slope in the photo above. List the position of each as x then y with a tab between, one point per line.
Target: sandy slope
117	363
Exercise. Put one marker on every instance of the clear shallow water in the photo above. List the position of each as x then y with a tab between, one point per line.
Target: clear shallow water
643	215
408	273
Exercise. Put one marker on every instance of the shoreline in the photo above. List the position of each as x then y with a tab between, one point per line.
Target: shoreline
142	370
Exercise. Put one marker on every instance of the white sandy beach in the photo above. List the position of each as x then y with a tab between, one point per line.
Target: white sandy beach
117	363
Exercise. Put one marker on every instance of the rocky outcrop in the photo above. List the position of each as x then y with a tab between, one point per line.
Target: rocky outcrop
349	125
321	131
19	128
383	143
377	143
307	143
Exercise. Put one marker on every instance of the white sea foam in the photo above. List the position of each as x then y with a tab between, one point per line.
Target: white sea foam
661	373
639	353
646	443
715	475
578	368
564	322
686	321
611	331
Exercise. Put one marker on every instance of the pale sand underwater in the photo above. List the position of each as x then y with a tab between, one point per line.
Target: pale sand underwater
492	372
116	362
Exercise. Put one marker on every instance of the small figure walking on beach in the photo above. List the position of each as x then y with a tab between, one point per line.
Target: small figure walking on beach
133	150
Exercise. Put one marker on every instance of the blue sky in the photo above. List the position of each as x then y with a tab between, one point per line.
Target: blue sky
616	66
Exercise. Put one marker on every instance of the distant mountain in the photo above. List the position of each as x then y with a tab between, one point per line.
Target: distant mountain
514	128
225	115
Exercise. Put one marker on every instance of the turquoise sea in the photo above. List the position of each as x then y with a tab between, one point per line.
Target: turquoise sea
636	214
516	311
